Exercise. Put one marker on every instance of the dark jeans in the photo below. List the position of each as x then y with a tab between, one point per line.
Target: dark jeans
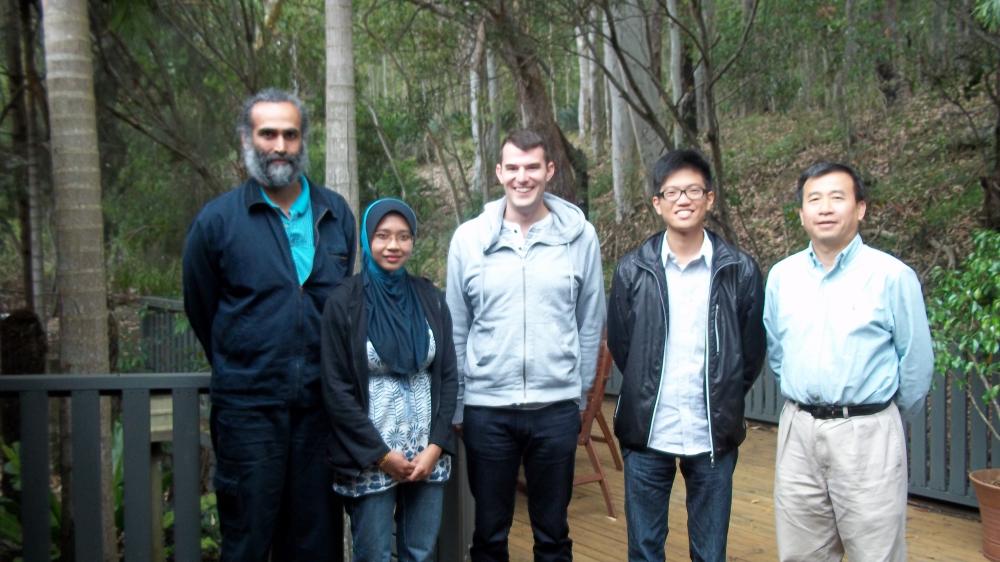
497	441
649	476
273	486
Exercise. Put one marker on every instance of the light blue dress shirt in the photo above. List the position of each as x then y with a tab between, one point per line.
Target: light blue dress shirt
299	229
856	334
680	420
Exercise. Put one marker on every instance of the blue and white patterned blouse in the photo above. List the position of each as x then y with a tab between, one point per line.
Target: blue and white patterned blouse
400	409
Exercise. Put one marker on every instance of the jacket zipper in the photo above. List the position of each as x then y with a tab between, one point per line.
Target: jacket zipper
524	330
666	324
708	394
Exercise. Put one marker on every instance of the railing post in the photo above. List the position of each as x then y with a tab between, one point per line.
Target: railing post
35	475
87	516
187	477
138	504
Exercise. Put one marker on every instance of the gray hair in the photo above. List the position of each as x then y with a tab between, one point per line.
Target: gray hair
244	125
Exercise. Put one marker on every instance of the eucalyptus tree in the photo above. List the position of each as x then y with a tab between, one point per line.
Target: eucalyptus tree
637	76
514	31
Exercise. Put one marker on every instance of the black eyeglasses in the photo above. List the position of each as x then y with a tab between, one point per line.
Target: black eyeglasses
693	192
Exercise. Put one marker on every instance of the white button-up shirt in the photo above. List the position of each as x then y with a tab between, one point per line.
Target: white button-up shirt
680	420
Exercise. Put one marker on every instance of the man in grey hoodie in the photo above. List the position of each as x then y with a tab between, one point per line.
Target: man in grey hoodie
526	294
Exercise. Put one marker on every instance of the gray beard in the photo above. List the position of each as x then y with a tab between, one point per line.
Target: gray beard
274	176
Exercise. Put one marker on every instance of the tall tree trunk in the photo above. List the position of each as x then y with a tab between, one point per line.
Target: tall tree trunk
847	63
939	37
597	94
641	54
991	183
583	99
493	96
751	92
706	9
17	94
479	182
479	169
82	288
720	214
892	83
35	215
33	164
341	142
676	67
622	139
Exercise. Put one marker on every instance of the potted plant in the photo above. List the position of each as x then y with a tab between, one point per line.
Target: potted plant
964	314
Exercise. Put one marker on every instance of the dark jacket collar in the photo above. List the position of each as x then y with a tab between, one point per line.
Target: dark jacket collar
253	198
651	250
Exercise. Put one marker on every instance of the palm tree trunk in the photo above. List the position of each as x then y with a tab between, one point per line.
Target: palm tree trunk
80	274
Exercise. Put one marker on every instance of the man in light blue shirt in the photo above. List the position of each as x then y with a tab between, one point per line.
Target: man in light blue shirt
848	341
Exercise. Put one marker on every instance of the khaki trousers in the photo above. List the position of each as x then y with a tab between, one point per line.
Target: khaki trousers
840	486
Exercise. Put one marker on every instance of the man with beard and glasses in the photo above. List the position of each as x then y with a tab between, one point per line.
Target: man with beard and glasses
259	262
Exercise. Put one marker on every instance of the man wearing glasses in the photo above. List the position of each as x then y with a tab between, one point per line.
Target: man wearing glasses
685	329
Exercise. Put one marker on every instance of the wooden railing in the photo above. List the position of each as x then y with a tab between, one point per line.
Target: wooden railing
85	392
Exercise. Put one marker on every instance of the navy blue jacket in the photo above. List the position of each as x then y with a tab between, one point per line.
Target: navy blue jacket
259	328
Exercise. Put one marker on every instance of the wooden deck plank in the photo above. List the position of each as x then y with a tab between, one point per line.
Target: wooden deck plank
933	533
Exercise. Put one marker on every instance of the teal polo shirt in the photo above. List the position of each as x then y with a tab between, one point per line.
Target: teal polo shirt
299	229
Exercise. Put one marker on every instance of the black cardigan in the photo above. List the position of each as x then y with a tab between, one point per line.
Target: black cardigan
355	442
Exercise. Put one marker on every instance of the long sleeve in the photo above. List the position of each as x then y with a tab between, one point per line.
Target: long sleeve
201	285
442	433
912	340
350	234
753	339
620	320
356	442
774	351
590	311
461	318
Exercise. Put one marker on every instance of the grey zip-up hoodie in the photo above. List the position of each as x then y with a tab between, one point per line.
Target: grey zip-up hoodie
527	321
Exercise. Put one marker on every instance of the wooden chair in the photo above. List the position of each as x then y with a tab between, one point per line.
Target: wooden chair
605	435
593	411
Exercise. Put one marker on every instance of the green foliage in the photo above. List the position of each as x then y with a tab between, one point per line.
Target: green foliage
11	534
211	533
10	509
964	313
988	13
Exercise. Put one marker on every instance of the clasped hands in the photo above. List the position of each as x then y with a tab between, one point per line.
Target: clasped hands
405	470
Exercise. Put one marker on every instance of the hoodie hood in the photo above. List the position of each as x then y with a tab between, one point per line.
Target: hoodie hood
567	222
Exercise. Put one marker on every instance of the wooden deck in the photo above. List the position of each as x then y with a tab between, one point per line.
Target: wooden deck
934	532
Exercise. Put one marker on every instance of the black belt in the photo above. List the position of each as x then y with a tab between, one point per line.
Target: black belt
834	411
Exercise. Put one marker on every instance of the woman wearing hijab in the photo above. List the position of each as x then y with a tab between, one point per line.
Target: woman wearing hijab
389	386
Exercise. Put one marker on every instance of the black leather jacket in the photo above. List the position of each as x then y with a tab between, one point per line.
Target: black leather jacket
637	332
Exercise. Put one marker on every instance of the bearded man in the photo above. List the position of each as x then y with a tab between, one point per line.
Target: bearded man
259	262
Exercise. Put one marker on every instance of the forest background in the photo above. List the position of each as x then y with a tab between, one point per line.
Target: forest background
117	124
904	90
907	91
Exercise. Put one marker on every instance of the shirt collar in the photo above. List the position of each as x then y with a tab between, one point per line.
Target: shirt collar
845	255
533	230
301	204
706	251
